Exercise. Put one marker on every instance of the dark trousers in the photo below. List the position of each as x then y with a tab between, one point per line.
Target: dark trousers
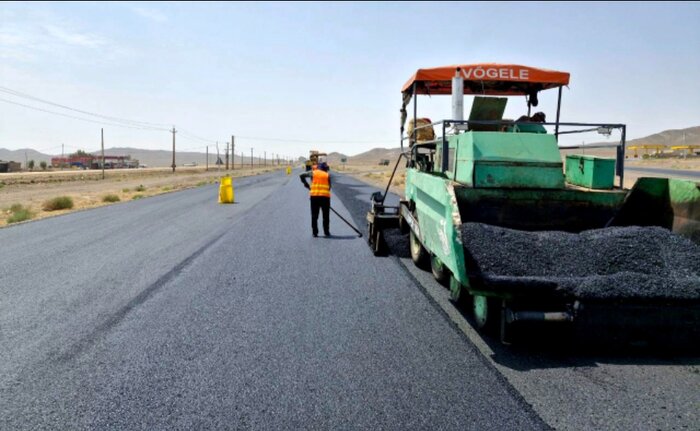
324	204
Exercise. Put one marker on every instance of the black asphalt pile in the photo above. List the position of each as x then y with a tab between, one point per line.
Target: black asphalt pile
610	263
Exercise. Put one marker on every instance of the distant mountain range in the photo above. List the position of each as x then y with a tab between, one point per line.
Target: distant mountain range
22	156
155	158
689	136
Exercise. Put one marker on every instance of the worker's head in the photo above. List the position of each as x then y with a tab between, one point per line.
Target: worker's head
323	166
539	117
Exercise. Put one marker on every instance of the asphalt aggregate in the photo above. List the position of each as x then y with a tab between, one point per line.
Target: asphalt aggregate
631	262
175	312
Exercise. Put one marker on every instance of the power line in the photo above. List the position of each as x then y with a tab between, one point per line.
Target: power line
143	125
193	136
308	141
107	117
192	148
78	118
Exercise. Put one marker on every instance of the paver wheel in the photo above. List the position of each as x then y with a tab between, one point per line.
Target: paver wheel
440	271
458	294
419	254
487	314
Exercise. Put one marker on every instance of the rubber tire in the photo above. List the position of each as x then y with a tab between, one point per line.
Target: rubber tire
487	314
458	294
440	272
419	255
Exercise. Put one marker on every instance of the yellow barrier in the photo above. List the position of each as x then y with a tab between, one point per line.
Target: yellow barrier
226	195
289	170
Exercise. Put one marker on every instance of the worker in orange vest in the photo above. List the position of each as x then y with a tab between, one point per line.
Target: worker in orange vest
320	196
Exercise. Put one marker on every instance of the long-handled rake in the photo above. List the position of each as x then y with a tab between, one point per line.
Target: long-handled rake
347	222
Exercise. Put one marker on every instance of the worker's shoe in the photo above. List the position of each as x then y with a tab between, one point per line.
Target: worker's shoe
315	234
327	233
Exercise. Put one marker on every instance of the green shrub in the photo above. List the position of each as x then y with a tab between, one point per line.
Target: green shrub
19	213
202	183
166	188
140	188
135	197
22	215
58	203
110	198
125	190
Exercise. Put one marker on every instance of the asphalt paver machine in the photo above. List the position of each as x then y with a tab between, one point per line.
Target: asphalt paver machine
525	237
315	157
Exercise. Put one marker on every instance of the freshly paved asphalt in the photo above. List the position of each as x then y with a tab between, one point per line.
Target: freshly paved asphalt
174	312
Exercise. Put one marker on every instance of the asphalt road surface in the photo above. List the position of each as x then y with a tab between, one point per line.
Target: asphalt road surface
667	173
174	312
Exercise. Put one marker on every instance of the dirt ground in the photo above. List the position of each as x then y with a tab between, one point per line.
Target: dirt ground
87	188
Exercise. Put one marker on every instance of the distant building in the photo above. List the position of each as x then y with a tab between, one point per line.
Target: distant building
10	167
95	162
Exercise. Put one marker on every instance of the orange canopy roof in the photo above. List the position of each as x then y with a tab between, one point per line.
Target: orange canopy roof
486	78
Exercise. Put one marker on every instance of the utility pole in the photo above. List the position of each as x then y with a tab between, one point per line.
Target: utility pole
251	158
265	152
173	132
227	156
62	155
241	159
233	152
207	158
103	152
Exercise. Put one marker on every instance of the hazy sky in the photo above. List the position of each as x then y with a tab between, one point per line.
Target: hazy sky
322	75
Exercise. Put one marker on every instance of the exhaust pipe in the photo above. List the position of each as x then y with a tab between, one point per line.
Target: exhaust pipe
458	96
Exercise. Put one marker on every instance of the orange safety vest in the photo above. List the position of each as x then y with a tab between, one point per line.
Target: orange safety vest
320	184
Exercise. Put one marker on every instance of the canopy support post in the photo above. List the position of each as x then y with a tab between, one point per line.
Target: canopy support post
620	165
415	114
556	128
